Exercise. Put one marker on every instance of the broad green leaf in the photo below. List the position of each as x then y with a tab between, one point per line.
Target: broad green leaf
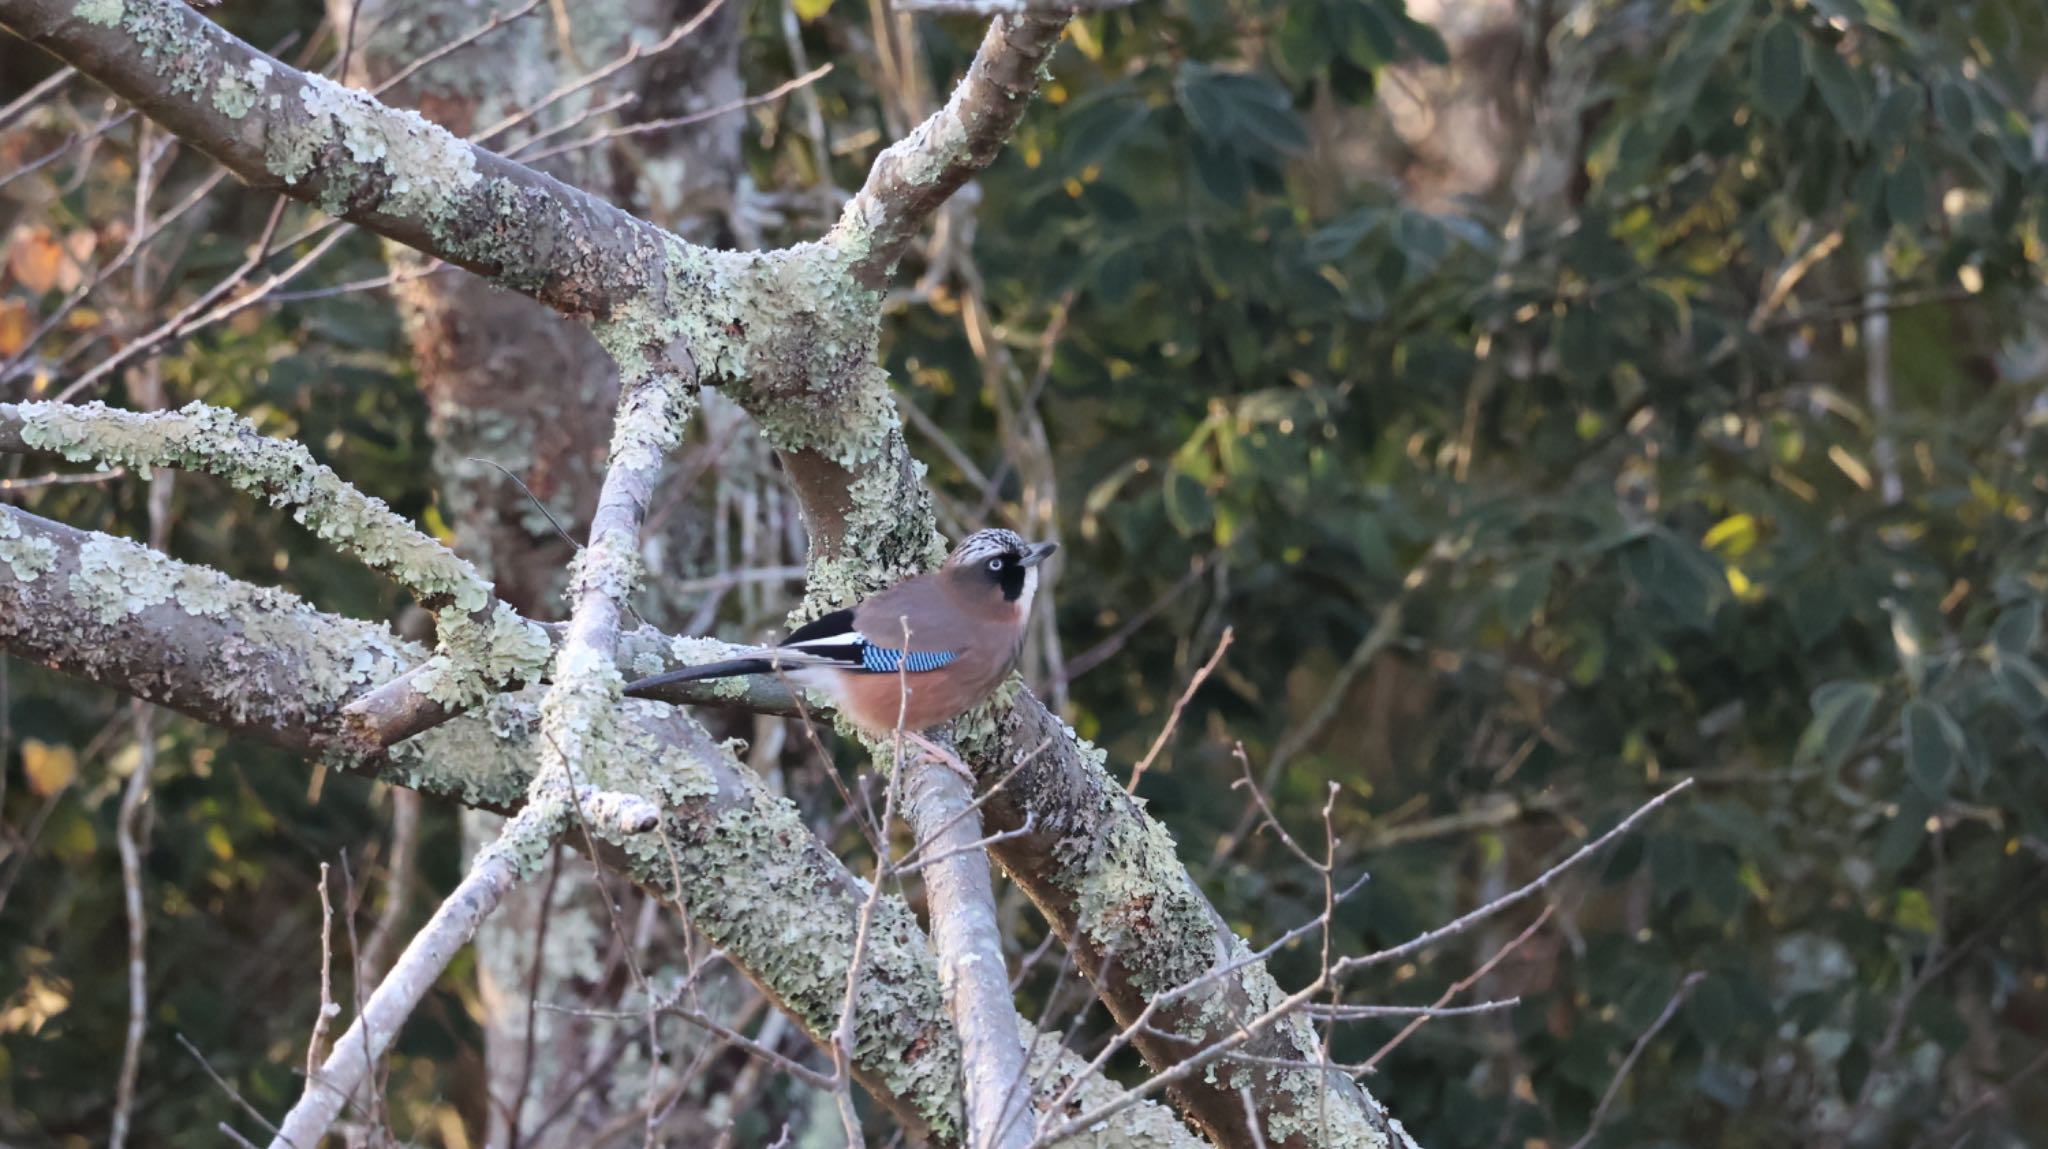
1090	132
1187	504
1221	170
1523	595
1841	713
1342	235
1275	126
1424	40
2023	685
1841	89
2017	625
1897	114
1905	194
1778	70
1117	275
1934	745
1369	39
1952	106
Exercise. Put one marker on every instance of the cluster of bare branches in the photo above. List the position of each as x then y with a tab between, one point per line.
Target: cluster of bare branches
503	713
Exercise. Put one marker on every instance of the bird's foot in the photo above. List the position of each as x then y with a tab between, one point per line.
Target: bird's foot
939	755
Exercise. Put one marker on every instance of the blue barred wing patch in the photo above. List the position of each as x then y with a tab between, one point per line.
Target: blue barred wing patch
883	660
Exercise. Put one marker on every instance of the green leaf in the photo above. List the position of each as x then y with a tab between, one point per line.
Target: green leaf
1841	89
1187	504
2021	682
1841	713
1117	274
1952	107
1221	171
1424	40
1934	746
1708	35
1302	45
1276	127
1342	235
1905	194
1777	67
808	10
1524	594
2017	625
1090	132
1369	41
1897	114
1207	108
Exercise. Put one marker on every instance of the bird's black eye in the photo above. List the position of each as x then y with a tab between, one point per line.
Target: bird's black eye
995	564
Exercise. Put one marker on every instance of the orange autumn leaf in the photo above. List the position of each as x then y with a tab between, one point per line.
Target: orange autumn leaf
15	325
35	258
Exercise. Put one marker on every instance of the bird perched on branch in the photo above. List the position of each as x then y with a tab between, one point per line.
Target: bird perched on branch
965	624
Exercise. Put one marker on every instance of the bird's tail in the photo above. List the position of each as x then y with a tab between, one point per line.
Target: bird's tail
731	668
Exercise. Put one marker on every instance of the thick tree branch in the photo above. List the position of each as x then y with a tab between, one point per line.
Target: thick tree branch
309	138
264	664
921	171
796	332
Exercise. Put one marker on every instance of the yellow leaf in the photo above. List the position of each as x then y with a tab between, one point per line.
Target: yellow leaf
808	10
1732	536
1850	466
49	768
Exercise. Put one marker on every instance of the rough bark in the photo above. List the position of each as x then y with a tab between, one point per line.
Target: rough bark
776	901
793	334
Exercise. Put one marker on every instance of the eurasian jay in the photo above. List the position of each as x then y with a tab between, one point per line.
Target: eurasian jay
966	626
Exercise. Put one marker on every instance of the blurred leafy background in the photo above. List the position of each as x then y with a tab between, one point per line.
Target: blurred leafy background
1555	399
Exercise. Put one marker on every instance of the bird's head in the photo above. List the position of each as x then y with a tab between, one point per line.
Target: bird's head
1001	561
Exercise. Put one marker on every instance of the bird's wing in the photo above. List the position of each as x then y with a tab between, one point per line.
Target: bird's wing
837	640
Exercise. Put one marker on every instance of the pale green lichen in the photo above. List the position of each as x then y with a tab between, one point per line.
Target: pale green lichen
116	579
754	888
183	54
28	556
237	92
484	758
1131	896
420	168
105	13
201	438
476	658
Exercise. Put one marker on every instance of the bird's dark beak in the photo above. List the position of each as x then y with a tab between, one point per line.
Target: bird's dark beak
1037	553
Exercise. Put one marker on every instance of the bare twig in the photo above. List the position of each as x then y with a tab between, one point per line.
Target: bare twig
328	1006
493	874
1173	719
1460	986
129	836
1628	1063
1541	882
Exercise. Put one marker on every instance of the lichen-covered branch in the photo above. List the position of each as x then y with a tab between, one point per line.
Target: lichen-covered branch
219	442
919	172
263	663
312	139
794	334
483	644
578	711
939	806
